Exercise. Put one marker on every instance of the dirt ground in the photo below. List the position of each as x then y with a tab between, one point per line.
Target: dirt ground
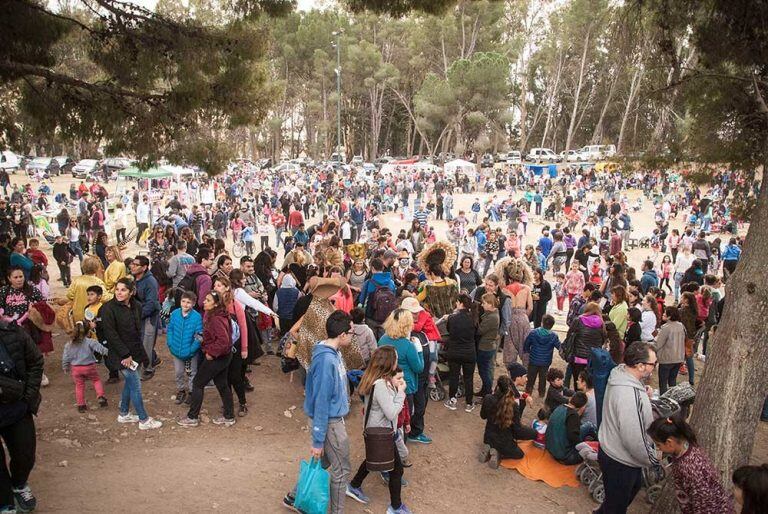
90	463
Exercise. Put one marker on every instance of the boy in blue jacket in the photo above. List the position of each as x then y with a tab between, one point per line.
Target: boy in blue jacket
540	345
325	404
184	331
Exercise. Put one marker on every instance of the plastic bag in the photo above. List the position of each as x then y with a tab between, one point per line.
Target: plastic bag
313	488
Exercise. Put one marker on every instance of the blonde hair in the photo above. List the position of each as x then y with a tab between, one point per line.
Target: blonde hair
399	324
91	265
115	251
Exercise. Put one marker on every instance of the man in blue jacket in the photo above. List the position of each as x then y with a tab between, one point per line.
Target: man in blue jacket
650	278
325	404
147	294
379	278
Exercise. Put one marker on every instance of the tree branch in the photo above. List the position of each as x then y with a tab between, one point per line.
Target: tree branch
36	7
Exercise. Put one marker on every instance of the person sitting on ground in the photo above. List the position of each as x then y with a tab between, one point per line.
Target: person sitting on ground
564	430
557	394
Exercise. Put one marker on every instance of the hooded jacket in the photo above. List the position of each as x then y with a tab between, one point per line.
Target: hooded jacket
648	280
326	391
626	416
27	360
147	293
590	333
217	333
378	279
286	297
670	343
181	333
203	282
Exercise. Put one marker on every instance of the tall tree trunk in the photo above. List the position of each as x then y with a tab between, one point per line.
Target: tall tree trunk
597	134
668	101
551	102
523	103
634	87
572	125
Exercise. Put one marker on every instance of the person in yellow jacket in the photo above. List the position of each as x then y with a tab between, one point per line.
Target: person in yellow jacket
116	268
78	291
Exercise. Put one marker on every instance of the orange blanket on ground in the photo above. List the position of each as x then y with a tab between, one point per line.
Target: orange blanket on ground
538	464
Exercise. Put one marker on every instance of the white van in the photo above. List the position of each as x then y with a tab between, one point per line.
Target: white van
543	155
9	161
596	152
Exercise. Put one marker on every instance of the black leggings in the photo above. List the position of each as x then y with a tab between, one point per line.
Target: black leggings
468	370
395	479
215	369
663	281
237	376
21	442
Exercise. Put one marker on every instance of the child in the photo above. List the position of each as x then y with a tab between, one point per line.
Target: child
557	394
596	274
540	345
362	334
540	426
248	238
563	432
574	282
403	427
697	482
750	489
37	255
541	259
558	289
666	272
185	328
78	359
64	256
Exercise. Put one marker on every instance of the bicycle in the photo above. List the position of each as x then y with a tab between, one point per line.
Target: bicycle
239	248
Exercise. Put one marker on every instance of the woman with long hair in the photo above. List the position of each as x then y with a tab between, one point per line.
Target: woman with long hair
217	349
237	365
224	267
501	413
384	391
541	295
115	268
171	237
461	353
517	277
100	244
619	307
649	309
158	246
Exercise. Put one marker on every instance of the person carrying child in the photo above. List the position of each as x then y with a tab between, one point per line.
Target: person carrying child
564	430
185	329
78	358
697	482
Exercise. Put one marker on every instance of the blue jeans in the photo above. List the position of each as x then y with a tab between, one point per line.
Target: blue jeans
691	370
132	394
485	365
76	249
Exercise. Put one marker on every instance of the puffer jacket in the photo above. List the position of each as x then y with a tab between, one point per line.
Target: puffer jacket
120	326
462	332
590	333
27	360
181	333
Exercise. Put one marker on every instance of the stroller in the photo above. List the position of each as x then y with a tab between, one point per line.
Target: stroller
437	392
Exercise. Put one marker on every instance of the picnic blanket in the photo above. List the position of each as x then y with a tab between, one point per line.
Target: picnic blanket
538	464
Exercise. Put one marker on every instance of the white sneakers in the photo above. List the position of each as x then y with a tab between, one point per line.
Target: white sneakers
450	404
148	424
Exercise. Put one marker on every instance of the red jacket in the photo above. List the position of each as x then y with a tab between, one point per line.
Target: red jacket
217	333
425	323
38	257
295	219
404	418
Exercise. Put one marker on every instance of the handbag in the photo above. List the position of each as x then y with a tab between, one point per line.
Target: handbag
379	443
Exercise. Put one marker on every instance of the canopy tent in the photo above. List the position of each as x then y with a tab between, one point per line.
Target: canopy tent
178	171
460	166
151	173
539	169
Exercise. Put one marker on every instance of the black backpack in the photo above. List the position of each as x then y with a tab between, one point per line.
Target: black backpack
383	302
188	283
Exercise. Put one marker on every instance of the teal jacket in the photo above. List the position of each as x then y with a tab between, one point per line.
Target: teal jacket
409	359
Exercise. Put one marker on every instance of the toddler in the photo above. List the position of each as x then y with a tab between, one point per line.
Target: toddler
540	426
558	289
557	393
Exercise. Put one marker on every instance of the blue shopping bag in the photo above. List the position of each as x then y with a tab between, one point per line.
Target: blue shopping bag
313	488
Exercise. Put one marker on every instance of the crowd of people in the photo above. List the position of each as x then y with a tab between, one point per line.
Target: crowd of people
356	308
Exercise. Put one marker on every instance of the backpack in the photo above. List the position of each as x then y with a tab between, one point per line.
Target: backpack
187	283
383	301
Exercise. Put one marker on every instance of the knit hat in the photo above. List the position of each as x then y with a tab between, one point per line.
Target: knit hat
516	370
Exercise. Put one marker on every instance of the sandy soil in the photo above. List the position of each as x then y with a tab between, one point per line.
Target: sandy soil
89	463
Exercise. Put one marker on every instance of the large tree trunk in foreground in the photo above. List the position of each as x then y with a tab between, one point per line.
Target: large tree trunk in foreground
730	396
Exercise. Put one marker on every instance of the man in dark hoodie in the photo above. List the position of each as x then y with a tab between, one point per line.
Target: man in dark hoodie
147	293
326	403
380	279
650	278
625	447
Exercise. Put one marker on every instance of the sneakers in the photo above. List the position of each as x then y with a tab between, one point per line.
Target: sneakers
450	404
149	424
103	403
288	501
7	509
407	463
493	460
243	410
470	407
44	382
421	439
402	510
188	422
180	397
385	477
82	408
221	420
147	375
248	386
127	418
24	499
485	454
357	494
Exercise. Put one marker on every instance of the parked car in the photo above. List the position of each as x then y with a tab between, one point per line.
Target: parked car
511	157
48	165
486	161
10	162
543	155
357	160
287	167
570	156
596	152
386	159
84	168
65	163
115	164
